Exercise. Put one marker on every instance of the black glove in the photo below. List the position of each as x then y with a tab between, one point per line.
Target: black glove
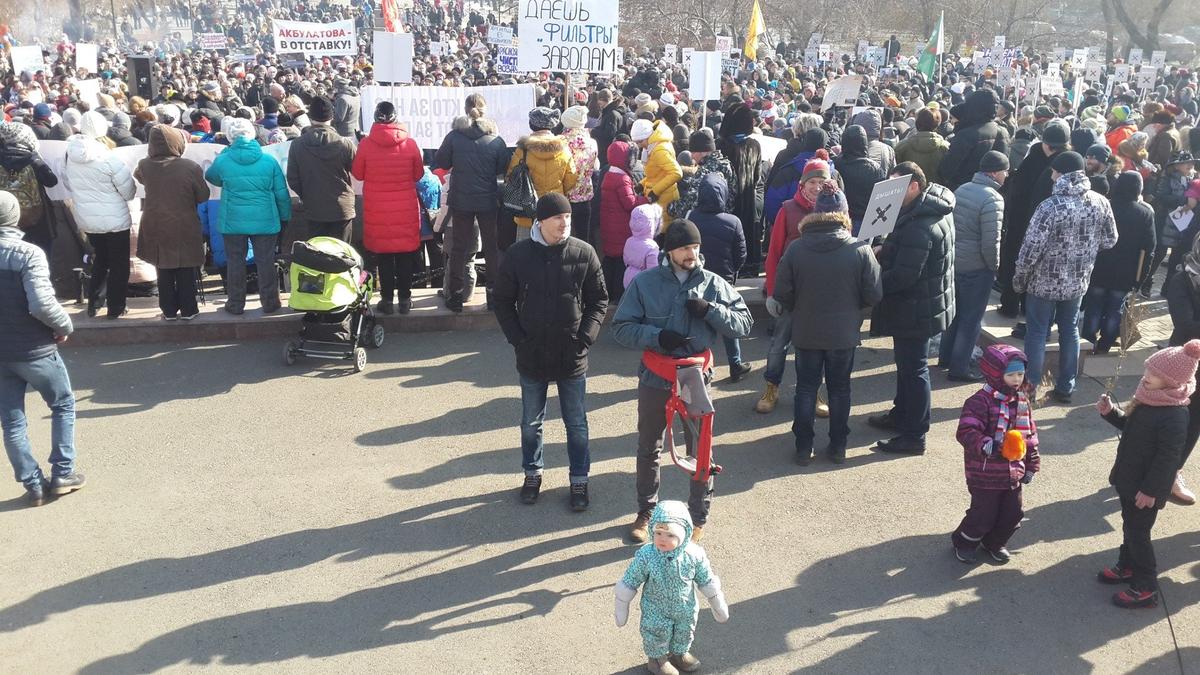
651	197
697	307
1027	478
670	340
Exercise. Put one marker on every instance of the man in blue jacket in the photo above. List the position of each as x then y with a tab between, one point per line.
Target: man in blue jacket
34	323
679	309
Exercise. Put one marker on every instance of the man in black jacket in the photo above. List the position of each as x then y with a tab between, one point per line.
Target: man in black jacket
976	134
612	121
917	262
550	301
318	171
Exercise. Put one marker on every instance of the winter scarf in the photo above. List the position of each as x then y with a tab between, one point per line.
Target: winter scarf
1004	421
1164	397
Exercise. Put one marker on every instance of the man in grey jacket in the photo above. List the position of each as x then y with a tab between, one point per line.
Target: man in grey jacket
978	215
679	309
34	324
824	280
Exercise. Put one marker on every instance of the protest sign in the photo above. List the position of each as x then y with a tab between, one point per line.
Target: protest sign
669	53
336	38
89	92
1158	59
810	58
877	56
842	92
814	40
861	50
999	42
1146	77
1053	69
886	199
1005	78
54	153
770	146
687	56
730	66
1079	59
704	77
575	36
393	57
506	60
824	53
428	112
1095	71
724	43
1121	72
1060	54
27	59
439	48
477	48
211	41
499	35
1135	56
1052	85
85	56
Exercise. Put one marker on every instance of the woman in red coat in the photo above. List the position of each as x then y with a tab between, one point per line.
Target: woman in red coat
388	163
617	201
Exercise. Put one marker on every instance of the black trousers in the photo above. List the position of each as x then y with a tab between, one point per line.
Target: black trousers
581	221
338	229
396	275
110	269
1137	553
177	291
613	267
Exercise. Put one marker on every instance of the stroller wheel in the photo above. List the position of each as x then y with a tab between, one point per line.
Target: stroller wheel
360	359
289	351
377	335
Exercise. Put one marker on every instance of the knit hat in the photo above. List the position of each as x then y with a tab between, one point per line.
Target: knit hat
701	141
1056	134
641	130
1100	152
10	209
1043	112
641	100
320	109
831	199
270	106
815	168
1181	157
121	120
995	362
41	111
667	98
543	119
574	117
993	161
237	127
1015	366
1121	113
1176	365
385	112
1068	162
1083	138
681	233
552	204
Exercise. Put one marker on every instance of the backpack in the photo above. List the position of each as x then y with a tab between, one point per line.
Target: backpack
23	184
519	195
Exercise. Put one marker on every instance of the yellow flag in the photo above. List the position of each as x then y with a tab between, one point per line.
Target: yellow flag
756	28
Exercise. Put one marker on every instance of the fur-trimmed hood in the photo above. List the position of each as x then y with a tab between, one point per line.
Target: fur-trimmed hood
824	232
474	128
542	146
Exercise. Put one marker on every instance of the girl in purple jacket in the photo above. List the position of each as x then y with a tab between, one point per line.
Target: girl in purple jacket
994	481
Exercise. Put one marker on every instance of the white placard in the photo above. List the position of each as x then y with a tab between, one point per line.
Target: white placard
499	35
731	66
575	37
1054	69
999	42
477	48
54	153
1095	72
1052	85
211	41
1135	56
824	53
687	56
815	39
1121	73
1060	54
393	57
886	199
724	43
1146	78
842	92
89	92
877	56
27	58
439	48
336	38
1079	59
506	60
1181	219
1158	59
1005	78
670	53
85	56
810	58
428	112
704	77
861	50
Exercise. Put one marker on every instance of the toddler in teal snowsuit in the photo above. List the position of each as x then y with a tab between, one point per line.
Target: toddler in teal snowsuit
671	567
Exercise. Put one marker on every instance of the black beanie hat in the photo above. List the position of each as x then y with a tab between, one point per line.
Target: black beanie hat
385	112
701	141
681	233
1067	162
993	161
552	204
320	110
270	106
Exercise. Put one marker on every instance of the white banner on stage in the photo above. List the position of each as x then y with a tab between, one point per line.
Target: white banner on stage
428	112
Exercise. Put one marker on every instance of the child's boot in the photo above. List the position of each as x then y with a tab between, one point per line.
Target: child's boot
661	667
1132	599
686	662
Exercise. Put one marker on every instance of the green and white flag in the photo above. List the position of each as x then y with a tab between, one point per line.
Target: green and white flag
935	46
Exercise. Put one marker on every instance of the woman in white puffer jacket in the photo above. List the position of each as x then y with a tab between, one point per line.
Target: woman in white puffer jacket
101	187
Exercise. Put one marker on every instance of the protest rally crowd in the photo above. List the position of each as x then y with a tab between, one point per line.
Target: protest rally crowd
625	193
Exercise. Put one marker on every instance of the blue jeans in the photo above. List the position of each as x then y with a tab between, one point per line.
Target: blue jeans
971	293
1102	311
733	351
911	405
1039	312
574	412
48	377
837	365
777	351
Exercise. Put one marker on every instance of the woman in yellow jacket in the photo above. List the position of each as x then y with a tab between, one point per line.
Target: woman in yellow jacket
660	185
550	164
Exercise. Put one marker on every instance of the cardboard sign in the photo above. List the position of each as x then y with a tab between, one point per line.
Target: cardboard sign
1060	54
1079	59
687	56
877	56
824	53
1095	71
569	37
731	66
814	40
669	53
1121	73
1053	69
89	91
1052	85
85	57
439	48
810	58
842	92
479	48
429	111
499	35
886	198
1135	56
704	77
999	42
211	41
27	59
1158	59
724	43
337	38
1005	78
393	57
1146	78
861	50
506	60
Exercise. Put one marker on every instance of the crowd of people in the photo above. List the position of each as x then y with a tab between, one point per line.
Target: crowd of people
625	192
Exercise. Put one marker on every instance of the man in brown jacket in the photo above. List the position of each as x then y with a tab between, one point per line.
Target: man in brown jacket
318	171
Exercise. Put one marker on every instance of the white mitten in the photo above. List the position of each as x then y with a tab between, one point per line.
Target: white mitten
716	599
773	307
624	596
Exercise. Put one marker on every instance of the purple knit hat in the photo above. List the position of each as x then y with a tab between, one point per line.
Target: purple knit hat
995	361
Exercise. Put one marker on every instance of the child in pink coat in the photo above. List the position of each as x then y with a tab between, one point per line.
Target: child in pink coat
641	252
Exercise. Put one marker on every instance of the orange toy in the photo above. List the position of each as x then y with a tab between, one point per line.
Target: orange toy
1014	446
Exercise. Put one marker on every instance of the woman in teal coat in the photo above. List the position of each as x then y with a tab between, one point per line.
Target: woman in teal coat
254	205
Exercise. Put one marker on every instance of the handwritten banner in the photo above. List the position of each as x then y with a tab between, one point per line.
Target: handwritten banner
572	36
336	38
